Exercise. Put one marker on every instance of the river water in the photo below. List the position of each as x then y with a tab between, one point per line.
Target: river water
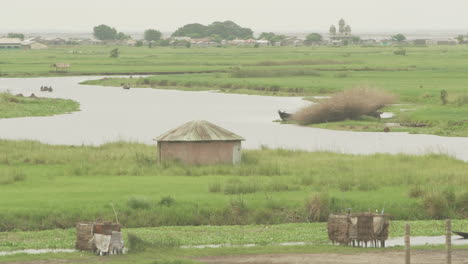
112	113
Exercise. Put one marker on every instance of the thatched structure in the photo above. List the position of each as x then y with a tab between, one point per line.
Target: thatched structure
61	67
365	228
200	142
89	237
359	229
84	234
338	229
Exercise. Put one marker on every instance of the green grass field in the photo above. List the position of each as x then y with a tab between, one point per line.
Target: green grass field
14	106
47	187
265	200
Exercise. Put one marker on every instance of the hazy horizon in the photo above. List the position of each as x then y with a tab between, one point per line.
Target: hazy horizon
364	16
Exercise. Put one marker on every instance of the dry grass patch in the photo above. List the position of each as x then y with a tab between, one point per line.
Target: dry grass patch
348	104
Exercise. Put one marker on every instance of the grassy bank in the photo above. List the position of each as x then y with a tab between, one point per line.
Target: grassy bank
18	106
47	187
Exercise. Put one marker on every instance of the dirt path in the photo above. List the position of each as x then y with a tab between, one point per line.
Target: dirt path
417	257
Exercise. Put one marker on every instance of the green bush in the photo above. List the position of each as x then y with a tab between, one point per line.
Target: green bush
136	244
138	203
444	97
401	52
461	204
416	191
436	205
167	201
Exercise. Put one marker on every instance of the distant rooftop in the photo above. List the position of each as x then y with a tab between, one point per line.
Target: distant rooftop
10	41
199	130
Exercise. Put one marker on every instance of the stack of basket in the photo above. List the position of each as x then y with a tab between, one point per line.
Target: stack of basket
85	232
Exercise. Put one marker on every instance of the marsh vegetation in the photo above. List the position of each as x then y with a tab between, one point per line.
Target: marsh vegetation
46	187
19	106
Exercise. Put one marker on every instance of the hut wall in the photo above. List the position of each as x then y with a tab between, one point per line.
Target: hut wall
214	152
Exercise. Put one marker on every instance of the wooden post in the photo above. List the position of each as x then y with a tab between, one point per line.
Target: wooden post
448	240
407	244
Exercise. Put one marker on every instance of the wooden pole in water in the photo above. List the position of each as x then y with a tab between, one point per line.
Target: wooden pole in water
407	244
448	240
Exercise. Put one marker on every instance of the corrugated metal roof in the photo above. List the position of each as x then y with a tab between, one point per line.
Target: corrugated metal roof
10	41
199	130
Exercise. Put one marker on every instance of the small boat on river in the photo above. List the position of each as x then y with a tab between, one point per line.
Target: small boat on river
284	116
462	234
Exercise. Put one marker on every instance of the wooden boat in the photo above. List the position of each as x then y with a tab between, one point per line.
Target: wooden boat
284	116
462	234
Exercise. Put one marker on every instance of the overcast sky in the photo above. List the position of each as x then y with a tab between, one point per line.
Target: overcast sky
260	15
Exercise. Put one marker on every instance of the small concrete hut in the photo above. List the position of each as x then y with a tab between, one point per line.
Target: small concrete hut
200	142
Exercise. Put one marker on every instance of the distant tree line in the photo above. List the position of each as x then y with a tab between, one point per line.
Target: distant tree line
16	35
105	32
217	31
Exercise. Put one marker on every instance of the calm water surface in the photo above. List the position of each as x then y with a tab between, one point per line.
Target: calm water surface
112	113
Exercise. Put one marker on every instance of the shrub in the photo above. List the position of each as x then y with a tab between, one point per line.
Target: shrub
461	100
443	96
138	203
416	191
136	244
401	52
449	195
436	205
318	208
348	104
461	204
167	201
215	187
114	53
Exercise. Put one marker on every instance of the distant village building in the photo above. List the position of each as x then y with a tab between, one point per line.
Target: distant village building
420	42
10	43
200	142
262	42
181	38
343	35
56	41
203	42
33	45
130	42
446	42
242	42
